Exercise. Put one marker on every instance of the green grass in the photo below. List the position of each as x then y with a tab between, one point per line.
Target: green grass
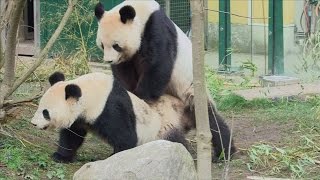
298	161
29	162
25	152
297	155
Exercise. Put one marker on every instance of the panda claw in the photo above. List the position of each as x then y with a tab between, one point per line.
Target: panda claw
61	159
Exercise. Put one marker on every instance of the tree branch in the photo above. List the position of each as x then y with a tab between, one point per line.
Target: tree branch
9	57
13	103
46	49
200	95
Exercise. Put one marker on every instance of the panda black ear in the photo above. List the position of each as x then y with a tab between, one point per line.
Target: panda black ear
127	13
99	11
56	77
73	91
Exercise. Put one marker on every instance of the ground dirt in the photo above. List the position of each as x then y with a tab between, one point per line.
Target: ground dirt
246	129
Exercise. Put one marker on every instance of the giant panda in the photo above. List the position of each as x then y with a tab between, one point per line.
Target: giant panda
151	56
97	102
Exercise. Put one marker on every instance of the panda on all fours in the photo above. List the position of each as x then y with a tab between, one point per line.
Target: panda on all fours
151	56
96	102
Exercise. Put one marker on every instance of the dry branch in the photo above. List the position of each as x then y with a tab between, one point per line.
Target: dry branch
27	100
200	95
9	58
46	49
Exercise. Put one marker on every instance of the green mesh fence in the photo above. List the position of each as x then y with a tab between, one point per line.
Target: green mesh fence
179	11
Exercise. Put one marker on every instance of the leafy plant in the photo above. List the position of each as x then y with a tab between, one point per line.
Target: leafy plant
79	34
249	65
214	83
296	160
29	162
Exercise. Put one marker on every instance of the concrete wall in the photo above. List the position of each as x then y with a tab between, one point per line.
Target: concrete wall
241	28
241	38
260	10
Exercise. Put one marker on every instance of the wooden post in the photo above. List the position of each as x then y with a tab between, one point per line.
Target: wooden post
200	95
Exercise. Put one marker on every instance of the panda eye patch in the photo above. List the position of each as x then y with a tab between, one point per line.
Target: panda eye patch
102	46
117	47
45	114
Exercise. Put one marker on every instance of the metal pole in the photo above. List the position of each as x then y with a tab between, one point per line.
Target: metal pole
206	24
275	52
224	35
167	7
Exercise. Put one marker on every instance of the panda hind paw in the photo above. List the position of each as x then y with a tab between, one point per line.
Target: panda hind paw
57	157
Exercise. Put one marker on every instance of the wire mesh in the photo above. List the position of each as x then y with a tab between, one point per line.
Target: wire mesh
179	11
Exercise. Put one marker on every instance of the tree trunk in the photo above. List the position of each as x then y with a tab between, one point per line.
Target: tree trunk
200	95
9	57
1	54
5	13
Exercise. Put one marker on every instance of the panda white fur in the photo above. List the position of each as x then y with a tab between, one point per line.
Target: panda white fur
151	56
97	102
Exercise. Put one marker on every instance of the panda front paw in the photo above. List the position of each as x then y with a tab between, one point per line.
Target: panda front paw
57	157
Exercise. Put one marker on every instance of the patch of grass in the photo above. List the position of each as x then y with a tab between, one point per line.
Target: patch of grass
297	162
29	162
237	103
298	154
33	160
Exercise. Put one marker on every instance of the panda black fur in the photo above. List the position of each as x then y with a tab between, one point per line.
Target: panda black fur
151	56
97	102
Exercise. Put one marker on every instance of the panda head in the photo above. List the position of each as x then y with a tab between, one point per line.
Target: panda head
120	29
60	106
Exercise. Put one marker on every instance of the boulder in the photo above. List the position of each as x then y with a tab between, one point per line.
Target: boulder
155	160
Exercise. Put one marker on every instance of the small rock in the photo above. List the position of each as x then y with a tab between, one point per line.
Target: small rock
155	160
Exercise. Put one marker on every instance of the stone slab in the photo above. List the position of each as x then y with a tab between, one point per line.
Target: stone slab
280	91
271	81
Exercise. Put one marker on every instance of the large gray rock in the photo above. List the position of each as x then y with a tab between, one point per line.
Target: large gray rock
156	160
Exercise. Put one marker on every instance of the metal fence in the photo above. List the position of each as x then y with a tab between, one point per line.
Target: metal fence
179	11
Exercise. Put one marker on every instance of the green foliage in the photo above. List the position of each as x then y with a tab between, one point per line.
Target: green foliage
73	66
29	162
214	83
315	101
297	161
79	33
249	65
310	60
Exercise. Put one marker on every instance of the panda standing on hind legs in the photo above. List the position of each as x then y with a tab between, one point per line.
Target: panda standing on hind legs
151	56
